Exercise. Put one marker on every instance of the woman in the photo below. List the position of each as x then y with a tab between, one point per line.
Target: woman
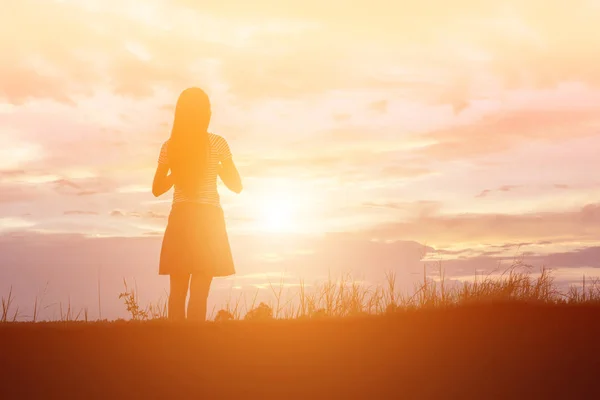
195	247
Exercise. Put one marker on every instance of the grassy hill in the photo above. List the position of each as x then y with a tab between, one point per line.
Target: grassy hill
485	351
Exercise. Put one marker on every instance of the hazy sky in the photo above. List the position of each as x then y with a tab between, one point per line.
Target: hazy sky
471	128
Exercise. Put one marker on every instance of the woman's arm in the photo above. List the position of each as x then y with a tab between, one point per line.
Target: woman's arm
163	181
230	175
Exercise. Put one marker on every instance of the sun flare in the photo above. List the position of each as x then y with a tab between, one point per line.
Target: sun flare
279	214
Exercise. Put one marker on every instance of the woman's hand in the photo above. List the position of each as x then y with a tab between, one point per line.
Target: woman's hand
230	175
163	181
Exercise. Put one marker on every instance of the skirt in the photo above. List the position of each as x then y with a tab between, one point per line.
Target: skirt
196	242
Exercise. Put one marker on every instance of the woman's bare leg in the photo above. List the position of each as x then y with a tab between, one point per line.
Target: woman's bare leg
177	296
199	288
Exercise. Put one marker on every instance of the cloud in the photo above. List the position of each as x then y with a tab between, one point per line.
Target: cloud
342	117
380	106
501	132
506	246
582	224
65	183
152	214
65	51
457	95
21	85
87	193
84	186
413	209
286	166
11	173
497	261
393	206
16	193
79	212
153	233
365	164
504	188
516	44
484	193
405	171
459	54
464	84
135	214
511	188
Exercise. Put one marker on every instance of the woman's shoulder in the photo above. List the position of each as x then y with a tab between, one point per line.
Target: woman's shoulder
214	138
220	145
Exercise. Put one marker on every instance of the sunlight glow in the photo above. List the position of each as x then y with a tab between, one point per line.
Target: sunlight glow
6	108
14	223
278	214
14	153
39	179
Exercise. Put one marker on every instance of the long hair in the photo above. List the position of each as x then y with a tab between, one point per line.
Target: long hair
188	145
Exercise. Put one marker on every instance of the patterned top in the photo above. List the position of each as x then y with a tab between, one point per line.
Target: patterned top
207	194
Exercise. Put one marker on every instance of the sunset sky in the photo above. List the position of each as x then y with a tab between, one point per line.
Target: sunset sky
367	135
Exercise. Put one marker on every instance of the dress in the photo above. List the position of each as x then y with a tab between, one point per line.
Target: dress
196	240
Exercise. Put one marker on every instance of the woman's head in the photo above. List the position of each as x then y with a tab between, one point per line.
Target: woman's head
188	146
193	110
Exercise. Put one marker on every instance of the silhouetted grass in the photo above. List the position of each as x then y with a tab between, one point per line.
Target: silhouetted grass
6	308
346	297
156	310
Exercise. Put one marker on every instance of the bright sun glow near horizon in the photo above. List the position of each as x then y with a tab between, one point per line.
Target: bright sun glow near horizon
279	213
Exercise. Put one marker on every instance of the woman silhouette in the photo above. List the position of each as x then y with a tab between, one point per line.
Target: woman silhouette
195	244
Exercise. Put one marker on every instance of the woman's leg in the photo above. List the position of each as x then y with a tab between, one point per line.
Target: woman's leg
177	296
199	289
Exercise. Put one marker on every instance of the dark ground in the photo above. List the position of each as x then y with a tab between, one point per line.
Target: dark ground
482	352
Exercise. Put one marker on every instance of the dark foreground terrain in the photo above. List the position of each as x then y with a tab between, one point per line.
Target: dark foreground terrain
479	352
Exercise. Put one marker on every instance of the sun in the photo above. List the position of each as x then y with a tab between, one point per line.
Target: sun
281	206
278	218
279	213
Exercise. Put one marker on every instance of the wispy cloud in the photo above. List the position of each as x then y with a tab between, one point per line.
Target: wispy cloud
135	214
505	131
492	228
503	188
79	212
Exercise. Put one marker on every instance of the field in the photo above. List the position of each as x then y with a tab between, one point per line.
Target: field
468	352
508	336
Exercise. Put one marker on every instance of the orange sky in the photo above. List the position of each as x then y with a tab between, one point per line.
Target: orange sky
471	126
